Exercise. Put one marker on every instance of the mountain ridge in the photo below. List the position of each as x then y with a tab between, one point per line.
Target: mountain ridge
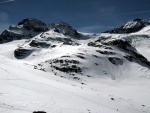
130	27
39	36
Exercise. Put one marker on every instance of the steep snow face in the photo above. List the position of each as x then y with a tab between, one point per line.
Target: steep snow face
59	73
131	26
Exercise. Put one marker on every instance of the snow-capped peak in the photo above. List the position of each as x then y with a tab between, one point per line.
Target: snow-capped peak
136	23
131	26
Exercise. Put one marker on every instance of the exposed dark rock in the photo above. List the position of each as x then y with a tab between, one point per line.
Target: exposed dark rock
83	83
132	54
112	99
65	56
106	47
22	53
66	29
35	43
76	78
88	75
106	52
102	38
82	57
39	112
34	24
53	46
130	27
56	30
115	61
96	56
123	45
93	44
66	41
69	69
96	64
138	58
1	39
8	36
27	28
66	61
68	66
80	53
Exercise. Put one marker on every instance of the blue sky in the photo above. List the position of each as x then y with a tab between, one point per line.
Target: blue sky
84	15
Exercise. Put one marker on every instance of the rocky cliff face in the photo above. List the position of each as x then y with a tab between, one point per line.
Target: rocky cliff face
33	25
27	28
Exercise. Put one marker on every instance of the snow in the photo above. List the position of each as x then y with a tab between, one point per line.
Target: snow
24	89
145	30
130	24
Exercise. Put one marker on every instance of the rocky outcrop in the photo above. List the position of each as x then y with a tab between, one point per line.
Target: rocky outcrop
39	112
115	60
131	53
105	52
21	53
34	25
27	28
35	43
66	29
65	65
8	36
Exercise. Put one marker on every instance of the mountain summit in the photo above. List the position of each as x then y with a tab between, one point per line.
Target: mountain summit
31	27
33	24
131	26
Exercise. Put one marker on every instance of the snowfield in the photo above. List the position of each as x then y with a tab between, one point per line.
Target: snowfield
32	84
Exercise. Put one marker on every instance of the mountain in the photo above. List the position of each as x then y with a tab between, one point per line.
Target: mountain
131	26
31	27
55	69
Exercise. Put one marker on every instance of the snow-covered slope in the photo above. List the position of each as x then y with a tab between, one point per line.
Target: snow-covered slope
60	70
